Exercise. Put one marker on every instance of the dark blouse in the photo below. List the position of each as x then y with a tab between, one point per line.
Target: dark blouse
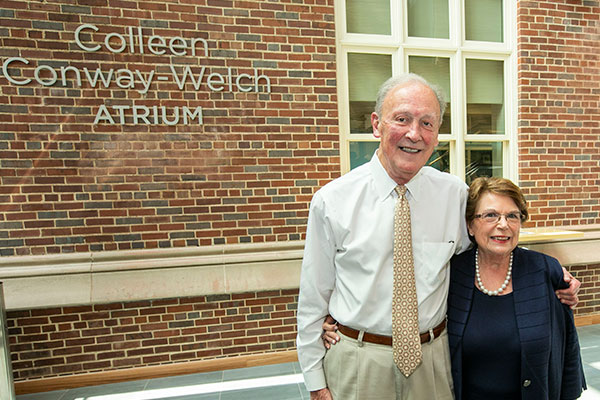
491	350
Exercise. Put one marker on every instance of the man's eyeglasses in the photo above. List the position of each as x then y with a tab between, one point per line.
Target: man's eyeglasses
494	217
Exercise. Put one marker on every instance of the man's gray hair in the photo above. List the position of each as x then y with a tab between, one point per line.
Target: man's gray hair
397	80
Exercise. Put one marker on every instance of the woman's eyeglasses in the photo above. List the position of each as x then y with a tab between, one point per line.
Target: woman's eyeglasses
494	217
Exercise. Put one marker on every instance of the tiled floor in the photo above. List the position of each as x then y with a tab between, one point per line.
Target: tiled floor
270	382
277	382
589	340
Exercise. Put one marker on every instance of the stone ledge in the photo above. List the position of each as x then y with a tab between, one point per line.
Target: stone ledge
104	277
47	281
125	260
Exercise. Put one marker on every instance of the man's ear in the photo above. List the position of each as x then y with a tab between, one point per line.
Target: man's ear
375	124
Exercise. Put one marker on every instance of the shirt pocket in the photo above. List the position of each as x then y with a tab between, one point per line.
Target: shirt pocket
433	257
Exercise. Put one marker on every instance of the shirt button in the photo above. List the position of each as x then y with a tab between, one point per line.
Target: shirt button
526	383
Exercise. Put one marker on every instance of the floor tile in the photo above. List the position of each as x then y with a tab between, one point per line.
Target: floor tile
303	392
55	395
259	372
212	396
185	380
285	392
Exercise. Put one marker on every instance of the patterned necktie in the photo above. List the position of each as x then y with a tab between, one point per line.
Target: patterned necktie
405	317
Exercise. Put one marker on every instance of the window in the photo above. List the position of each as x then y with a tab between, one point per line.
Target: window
465	47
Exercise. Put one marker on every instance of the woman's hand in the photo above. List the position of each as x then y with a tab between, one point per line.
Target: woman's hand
569	296
330	337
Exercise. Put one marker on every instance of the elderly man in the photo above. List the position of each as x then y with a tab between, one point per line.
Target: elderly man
378	244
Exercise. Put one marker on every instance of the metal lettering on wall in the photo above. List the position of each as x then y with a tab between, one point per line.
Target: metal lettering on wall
140	80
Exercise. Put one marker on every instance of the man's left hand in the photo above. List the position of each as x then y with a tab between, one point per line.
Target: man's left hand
568	296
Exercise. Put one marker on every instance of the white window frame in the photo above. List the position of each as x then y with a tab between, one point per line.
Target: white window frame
457	49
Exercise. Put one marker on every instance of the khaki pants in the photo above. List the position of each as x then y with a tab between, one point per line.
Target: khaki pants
363	371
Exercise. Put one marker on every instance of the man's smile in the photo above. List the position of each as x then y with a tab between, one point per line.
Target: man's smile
409	149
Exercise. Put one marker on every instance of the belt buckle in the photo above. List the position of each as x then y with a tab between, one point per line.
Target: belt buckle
431	335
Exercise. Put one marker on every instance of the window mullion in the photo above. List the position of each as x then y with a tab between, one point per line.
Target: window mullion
459	115
343	108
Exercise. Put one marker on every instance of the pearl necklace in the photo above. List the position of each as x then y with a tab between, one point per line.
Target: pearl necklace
480	283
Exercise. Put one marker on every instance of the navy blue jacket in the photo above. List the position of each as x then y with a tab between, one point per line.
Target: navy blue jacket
551	365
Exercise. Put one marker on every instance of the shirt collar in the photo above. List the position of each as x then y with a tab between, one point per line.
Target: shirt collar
384	185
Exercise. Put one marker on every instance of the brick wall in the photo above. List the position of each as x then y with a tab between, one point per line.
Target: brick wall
245	174
559	110
589	295
71	340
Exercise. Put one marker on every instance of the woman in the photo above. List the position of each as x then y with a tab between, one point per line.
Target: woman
510	337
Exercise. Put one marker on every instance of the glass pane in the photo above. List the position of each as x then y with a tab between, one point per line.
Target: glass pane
361	152
482	159
366	72
368	16
485	97
437	71
483	20
428	18
440	159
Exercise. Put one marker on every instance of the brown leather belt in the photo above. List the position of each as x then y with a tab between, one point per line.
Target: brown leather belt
387	340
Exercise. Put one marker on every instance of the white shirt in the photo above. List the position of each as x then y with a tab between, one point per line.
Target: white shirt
347	270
